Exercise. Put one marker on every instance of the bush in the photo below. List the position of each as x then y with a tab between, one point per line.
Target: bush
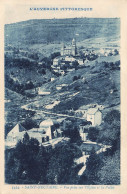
73	134
29	124
26	163
93	133
76	77
93	164
54	55
112	116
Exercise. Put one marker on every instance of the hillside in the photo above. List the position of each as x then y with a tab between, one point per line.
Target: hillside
31	44
101	86
57	30
68	90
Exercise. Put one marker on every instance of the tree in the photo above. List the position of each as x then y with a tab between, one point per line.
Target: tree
75	64
73	134
61	164
26	138
26	163
93	133
109	174
112	116
76	77
54	55
93	164
29	124
110	134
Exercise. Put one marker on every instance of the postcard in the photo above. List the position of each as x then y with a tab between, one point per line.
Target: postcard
63	97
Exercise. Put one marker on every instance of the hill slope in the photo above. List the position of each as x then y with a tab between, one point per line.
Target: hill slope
57	30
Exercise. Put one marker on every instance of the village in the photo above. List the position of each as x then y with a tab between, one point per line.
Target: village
62	102
47	133
50	132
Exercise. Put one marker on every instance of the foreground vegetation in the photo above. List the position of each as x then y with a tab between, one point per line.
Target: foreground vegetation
29	163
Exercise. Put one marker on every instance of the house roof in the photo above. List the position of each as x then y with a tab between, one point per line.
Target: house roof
47	123
19	128
84	107
42	89
57	58
35	129
92	111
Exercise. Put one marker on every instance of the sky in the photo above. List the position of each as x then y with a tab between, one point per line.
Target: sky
21	12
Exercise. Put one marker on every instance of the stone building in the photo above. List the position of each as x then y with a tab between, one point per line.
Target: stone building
95	116
71	50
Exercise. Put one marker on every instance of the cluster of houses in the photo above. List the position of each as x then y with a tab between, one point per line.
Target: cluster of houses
53	129
68	56
92	114
50	130
47	131
110	52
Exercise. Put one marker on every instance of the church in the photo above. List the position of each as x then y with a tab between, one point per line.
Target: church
71	50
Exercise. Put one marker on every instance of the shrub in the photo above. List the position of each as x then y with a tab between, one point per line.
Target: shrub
93	133
112	116
29	124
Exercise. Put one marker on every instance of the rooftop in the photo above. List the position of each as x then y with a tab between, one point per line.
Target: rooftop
92	111
48	122
17	128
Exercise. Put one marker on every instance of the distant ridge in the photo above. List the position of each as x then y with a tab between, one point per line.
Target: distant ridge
57	30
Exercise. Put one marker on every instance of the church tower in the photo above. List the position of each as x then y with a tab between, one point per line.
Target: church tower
62	49
73	48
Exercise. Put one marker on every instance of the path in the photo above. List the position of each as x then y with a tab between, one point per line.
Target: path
47	112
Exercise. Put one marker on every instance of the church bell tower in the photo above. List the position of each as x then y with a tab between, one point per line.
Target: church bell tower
73	49
62	49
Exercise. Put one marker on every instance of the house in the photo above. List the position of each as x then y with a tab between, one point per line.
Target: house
46	126
42	91
83	134
56	61
70	58
80	61
81	112
16	134
59	87
41	137
62	72
50	128
52	79
70	70
57	133
94	115
83	131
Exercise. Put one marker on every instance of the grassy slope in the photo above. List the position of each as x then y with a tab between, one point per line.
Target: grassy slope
92	32
100	82
57	30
